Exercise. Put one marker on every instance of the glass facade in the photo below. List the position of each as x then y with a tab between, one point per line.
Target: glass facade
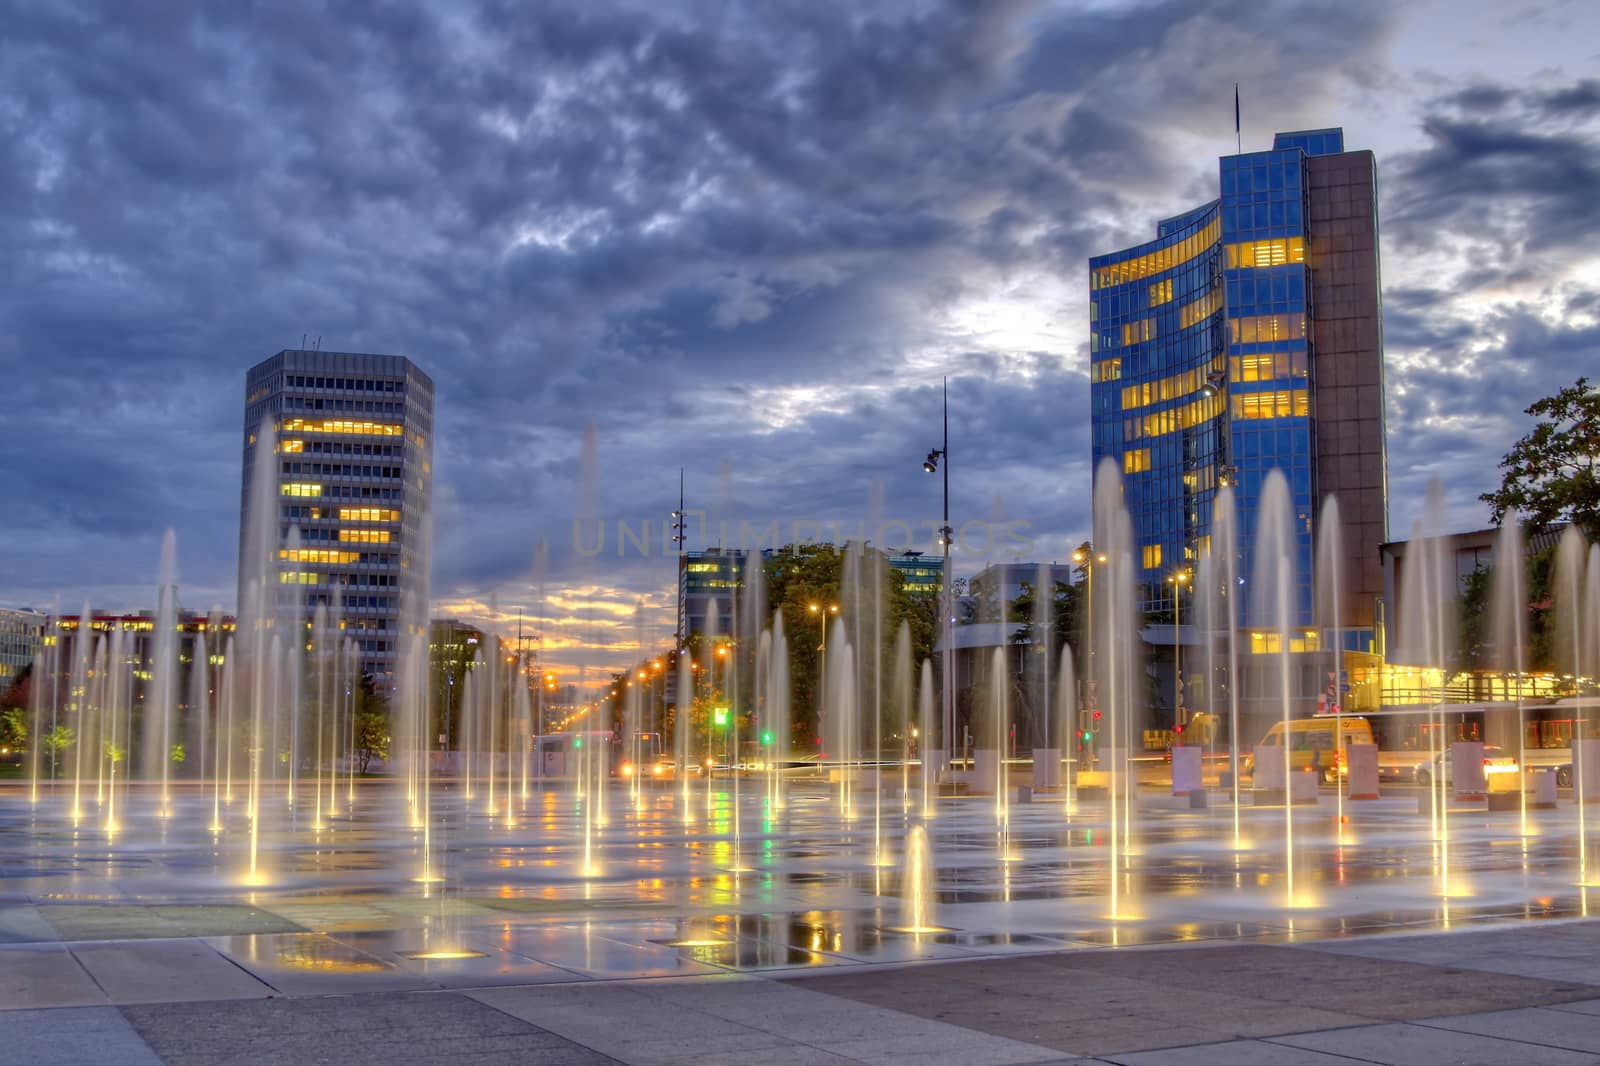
1156	385
1202	361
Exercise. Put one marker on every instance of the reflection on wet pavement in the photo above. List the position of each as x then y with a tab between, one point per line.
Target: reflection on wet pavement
341	908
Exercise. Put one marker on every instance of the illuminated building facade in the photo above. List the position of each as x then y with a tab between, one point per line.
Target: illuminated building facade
1247	337
351	437
21	635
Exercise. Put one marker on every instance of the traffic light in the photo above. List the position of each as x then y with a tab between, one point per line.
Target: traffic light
766	736
719	716
577	742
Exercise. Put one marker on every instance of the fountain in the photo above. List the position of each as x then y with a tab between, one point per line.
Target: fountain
782	858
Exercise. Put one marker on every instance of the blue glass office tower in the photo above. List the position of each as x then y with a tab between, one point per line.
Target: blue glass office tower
1247	337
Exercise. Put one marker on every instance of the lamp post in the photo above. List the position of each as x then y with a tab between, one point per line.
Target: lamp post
937	457
1177	580
822	611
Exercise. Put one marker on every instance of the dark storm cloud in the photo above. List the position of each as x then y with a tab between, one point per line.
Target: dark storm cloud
1514	171
732	236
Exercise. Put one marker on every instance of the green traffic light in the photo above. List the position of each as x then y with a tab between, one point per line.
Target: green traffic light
577	742
720	716
766	736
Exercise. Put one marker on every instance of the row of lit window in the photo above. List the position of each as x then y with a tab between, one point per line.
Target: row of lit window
1106	370
339	425
315	555
1160	292
1170	387
1267	329
300	488
365	536
1268	366
1284	403
1189	415
368	514
1175	254
1275	251
1135	460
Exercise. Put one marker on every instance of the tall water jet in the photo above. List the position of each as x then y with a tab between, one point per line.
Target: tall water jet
165	669
1276	593
1066	705
1508	607
78	694
222	762
1428	605
1046	736
919	890
842	704
322	640
683	734
1000	725
777	731
1113	672
490	695
200	704
927	763
905	705
119	710
1327	604
1568	587
1225	548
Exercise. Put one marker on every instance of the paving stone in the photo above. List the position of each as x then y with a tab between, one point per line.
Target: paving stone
45	975
23	924
72	1037
1231	1053
1534	1025
382	1028
128	921
1418	1045
163	971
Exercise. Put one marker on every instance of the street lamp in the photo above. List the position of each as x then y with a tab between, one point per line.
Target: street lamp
937	457
1177	580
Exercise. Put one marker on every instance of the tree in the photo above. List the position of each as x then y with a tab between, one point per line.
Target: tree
14	729
55	742
372	723
1553	474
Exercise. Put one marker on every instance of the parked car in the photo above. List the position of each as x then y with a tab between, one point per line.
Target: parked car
1495	761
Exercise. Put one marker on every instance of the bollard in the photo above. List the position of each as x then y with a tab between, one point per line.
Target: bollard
1198	799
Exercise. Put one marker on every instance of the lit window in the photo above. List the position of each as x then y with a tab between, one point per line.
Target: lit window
332	425
317	555
1136	461
1268	253
1152	556
1267	329
1201	309
292	446
1160	292
300	488
364	536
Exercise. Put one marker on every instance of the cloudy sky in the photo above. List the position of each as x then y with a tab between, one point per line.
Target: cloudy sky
743	239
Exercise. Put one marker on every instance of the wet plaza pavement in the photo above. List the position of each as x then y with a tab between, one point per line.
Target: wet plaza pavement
696	935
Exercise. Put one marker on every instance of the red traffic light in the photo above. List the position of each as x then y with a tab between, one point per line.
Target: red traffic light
1097	716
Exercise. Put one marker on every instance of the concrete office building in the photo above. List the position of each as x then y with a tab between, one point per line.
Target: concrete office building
351	443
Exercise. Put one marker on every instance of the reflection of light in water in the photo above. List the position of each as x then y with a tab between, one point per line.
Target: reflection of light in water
445	954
